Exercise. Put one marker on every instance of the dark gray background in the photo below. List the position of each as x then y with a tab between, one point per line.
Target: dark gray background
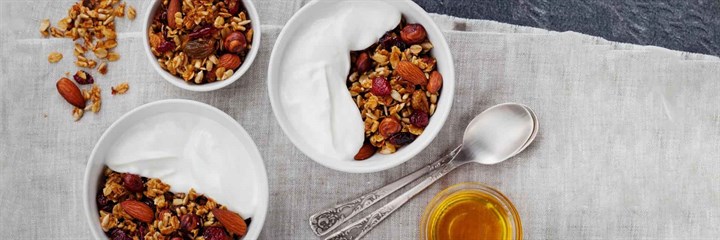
686	25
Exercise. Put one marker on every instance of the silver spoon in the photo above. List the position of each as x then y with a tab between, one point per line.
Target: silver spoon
326	220
493	136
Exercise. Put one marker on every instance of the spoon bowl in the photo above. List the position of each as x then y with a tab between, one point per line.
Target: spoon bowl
498	133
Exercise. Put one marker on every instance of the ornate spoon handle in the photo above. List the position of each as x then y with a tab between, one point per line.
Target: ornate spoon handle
358	229
325	221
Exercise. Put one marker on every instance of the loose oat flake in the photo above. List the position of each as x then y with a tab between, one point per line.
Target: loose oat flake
55	57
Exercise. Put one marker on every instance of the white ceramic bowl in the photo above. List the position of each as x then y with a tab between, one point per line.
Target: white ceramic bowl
179	82
378	162
96	163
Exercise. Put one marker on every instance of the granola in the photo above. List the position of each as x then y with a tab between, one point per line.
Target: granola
92	22
396	87
200	41
134	207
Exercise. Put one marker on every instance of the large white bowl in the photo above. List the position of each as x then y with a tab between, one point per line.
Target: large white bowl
96	163
378	162
179	82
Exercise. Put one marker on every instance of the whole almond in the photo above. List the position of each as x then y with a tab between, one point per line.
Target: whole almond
366	151
138	210
435	83
229	61
231	221
411	73
70	92
173	8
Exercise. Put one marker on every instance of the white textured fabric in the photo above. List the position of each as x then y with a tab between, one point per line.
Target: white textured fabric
628	144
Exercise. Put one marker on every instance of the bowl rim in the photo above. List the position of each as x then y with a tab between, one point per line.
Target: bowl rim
475	186
261	211
437	120
179	82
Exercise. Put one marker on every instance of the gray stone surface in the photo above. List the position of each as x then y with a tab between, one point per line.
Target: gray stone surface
687	25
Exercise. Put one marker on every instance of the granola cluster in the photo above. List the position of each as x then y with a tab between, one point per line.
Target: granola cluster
396	87
200	41
93	22
134	207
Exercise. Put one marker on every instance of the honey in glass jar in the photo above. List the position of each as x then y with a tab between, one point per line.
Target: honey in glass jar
470	211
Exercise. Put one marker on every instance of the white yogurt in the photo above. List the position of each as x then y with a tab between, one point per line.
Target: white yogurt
315	68
189	151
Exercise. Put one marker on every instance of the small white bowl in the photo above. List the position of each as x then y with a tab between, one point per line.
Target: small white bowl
179	82
96	163
378	162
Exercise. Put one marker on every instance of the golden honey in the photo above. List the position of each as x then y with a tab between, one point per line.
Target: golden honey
468	214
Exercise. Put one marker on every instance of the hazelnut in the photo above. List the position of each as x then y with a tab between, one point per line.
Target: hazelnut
189	222
235	42
133	182
413	33
389	126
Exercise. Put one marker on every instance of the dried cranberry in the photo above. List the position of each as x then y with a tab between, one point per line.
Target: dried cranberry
233	6
215	233
104	203
202	32
149	202
419	119
202	200
133	182
401	138
118	234
380	86
189	222
141	231
388	40
401	45
166	46
88	79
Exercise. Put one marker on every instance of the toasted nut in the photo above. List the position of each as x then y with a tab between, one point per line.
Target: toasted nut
229	61
235	42
70	92
435	83
366	151
77	113
231	221
411	73
389	126
138	210
173	8
413	33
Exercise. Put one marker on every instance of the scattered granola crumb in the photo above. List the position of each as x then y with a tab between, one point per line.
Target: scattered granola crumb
94	98
44	26
91	26
121	88
131	13
54	57
102	68
77	113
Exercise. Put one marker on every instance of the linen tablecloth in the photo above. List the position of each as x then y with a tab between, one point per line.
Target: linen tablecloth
628	144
